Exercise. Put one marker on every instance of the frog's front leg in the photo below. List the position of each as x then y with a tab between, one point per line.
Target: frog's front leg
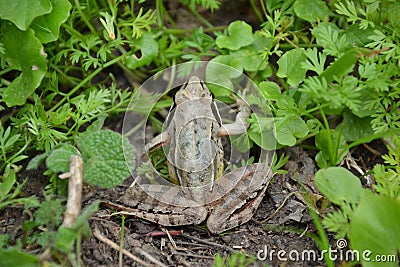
161	139
240	125
165	205
239	204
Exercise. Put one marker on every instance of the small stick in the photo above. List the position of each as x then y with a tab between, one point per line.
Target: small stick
209	243
75	182
115	246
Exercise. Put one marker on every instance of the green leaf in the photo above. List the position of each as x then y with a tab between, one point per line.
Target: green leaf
311	10
332	147
14	257
342	65
220	72
249	59
148	48
50	213
270	90
249	56
47	27
36	161
375	227
7	182
338	185
355	128
23	52
393	14
290	66
81	224
103	154
359	37
22	12
289	128
239	35
59	158
262	131
65	239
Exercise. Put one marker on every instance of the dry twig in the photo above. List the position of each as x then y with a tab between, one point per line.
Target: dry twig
75	182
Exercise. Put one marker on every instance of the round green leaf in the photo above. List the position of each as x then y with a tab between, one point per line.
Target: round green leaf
311	10
375	227
338	185
289	128
239	35
270	90
23	52
22	12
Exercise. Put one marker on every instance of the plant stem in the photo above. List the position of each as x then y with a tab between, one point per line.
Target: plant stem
255	9
200	17
184	31
84	18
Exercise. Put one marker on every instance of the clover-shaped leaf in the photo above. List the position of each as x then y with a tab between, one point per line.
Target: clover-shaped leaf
240	35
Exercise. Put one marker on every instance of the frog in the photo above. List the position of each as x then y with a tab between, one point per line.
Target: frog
195	159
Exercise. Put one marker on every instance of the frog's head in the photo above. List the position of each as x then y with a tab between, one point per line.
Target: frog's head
193	89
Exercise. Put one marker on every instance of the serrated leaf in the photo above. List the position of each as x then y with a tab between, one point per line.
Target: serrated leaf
103	153
290	66
94	127
47	27
59	158
26	56
338	185
375	227
239	35
148	48
22	12
311	10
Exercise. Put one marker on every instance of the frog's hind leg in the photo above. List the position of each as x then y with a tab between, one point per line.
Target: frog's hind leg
165	205
239	205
